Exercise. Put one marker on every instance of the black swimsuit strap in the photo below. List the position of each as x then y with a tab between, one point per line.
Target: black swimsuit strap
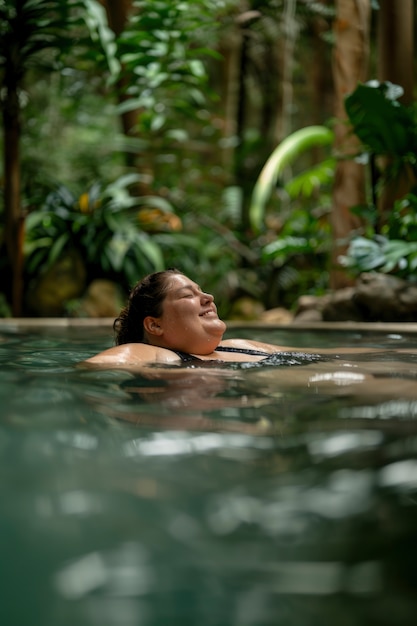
276	358
185	357
242	351
188	358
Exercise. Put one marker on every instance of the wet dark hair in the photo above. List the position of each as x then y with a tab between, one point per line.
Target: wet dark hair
146	298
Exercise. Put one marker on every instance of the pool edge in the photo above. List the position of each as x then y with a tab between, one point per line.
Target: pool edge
104	322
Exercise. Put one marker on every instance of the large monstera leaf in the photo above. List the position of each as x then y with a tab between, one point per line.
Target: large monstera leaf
383	125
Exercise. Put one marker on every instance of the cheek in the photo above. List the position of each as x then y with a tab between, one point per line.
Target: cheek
179	320
186	311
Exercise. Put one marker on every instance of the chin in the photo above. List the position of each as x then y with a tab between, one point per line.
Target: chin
220	323
220	329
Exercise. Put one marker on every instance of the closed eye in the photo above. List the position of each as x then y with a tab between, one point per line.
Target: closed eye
188	292
191	294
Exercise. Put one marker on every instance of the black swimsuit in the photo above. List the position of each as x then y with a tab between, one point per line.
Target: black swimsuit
188	358
274	358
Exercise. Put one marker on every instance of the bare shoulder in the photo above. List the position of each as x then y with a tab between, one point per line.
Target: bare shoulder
132	354
271	348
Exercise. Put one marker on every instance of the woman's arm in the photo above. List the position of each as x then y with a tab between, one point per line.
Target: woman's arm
132	354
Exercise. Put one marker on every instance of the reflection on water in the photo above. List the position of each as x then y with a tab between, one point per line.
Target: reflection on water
272	495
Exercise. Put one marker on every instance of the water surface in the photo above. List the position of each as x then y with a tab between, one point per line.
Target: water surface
262	496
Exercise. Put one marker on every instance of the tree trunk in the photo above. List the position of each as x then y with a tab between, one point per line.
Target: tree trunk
322	92
230	49
396	65
242	172
117	14
395	45
290	35
14	221
350	62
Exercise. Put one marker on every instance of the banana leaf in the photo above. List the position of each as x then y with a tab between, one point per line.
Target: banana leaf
283	155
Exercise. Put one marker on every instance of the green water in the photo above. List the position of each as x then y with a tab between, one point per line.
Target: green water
273	496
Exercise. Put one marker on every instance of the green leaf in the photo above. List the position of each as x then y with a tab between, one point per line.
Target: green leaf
96	19
413	261
197	68
30	247
178	241
364	254
383	125
286	246
287	151
152	252
178	134
155	201
57	248
311	180
157	122
116	251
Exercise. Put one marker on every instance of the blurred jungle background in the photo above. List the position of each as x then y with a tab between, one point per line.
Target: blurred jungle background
267	149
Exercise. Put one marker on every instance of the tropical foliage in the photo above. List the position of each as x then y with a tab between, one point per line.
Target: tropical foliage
394	250
283	156
386	129
103	225
384	125
33	33
210	177
167	77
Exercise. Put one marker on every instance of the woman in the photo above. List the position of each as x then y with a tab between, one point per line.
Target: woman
170	320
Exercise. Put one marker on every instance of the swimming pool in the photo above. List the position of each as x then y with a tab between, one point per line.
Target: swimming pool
273	495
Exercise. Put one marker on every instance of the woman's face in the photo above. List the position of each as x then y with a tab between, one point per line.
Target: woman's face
189	320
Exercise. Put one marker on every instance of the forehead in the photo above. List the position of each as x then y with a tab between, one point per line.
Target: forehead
179	282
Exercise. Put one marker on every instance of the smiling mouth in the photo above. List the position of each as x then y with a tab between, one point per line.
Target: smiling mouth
210	312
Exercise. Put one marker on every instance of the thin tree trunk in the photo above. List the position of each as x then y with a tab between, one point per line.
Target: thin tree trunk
322	92
396	65
230	49
350	63
242	177
290	35
117	14
395	45
14	221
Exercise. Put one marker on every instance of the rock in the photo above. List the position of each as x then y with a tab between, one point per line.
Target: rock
341	306
63	281
385	298
103	298
306	304
246	309
408	298
278	315
307	316
374	298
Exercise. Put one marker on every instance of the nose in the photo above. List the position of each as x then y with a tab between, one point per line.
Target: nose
207	297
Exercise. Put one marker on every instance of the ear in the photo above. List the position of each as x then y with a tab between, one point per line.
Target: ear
152	326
